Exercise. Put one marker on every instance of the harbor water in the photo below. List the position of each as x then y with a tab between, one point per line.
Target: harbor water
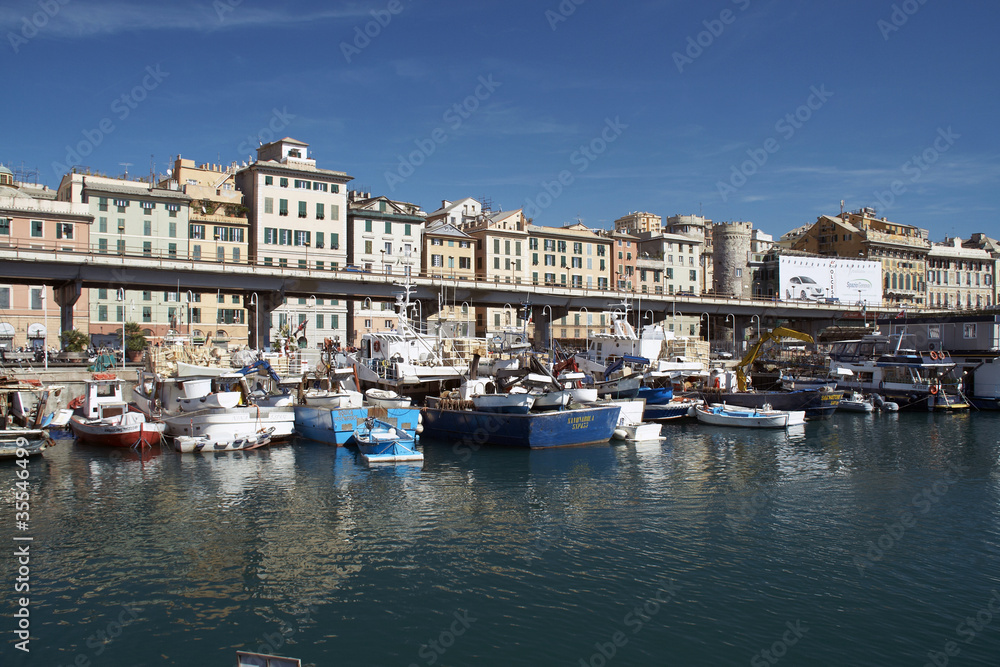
859	540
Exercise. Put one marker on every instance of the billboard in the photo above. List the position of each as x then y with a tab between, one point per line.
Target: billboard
822	279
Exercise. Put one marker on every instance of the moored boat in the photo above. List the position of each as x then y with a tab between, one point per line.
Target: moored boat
104	418
188	444
386	398
726	415
856	402
447	420
382	442
631	426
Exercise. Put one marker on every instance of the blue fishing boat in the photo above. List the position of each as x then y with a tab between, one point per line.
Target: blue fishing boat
449	420
381	442
656	395
335	426
674	409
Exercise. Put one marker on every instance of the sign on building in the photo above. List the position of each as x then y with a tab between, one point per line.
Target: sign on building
829	279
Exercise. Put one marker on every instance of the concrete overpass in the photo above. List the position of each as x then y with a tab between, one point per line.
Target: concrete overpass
69	273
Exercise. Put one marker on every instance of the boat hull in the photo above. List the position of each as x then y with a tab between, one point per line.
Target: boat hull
655	395
749	419
241	422
578	426
336	426
109	434
817	403
32	440
668	411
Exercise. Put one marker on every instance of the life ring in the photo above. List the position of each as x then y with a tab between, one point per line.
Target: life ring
377	345
934	390
718	383
934	355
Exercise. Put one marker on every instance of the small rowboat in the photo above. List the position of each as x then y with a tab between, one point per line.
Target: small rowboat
381	442
386	398
188	444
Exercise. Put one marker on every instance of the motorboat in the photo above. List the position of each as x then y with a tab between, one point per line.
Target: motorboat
727	415
102	417
22	424
382	442
856	402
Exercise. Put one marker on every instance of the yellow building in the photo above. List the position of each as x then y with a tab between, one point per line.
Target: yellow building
571	256
902	250
636	223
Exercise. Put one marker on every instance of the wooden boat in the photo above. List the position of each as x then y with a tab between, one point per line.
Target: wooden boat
511	403
856	402
386	398
381	442
551	400
21	425
335	426
32	441
104	418
676	408
188	444
726	415
444	419
655	395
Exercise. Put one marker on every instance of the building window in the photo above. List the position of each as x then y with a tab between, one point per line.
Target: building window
283	182
172	251
102	313
269	180
197	231
268	204
320	212
302	209
388	227
283	206
36	228
147	248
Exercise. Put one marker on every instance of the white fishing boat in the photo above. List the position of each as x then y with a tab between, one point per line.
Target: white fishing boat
580	392
551	400
102	417
386	398
726	415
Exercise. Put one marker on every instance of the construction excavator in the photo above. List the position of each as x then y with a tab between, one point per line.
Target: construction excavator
743	368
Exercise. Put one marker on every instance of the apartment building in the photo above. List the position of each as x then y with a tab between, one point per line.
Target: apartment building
458	213
637	223
134	218
218	232
447	253
676	257
699	228
30	217
297	219
571	256
383	236
959	277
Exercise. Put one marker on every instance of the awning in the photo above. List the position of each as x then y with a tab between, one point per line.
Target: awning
36	330
6	330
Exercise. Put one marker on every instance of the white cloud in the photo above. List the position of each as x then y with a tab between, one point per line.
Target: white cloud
80	19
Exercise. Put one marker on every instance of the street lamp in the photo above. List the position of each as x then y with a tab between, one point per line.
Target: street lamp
465	321
383	261
45	334
708	329
757	317
313	297
586	323
256	320
190	297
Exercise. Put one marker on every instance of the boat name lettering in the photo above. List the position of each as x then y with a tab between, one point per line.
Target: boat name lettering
580	422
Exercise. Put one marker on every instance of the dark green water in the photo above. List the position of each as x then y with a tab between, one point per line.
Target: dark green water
855	541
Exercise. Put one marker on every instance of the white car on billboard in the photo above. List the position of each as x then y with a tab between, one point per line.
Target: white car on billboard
803	287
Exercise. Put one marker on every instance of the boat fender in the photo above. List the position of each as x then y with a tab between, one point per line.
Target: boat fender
620	434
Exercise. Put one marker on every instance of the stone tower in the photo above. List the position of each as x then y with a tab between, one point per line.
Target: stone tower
731	257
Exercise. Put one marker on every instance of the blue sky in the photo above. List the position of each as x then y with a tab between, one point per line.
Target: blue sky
765	110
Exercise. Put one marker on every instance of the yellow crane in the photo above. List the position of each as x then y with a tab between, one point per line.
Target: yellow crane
743	367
